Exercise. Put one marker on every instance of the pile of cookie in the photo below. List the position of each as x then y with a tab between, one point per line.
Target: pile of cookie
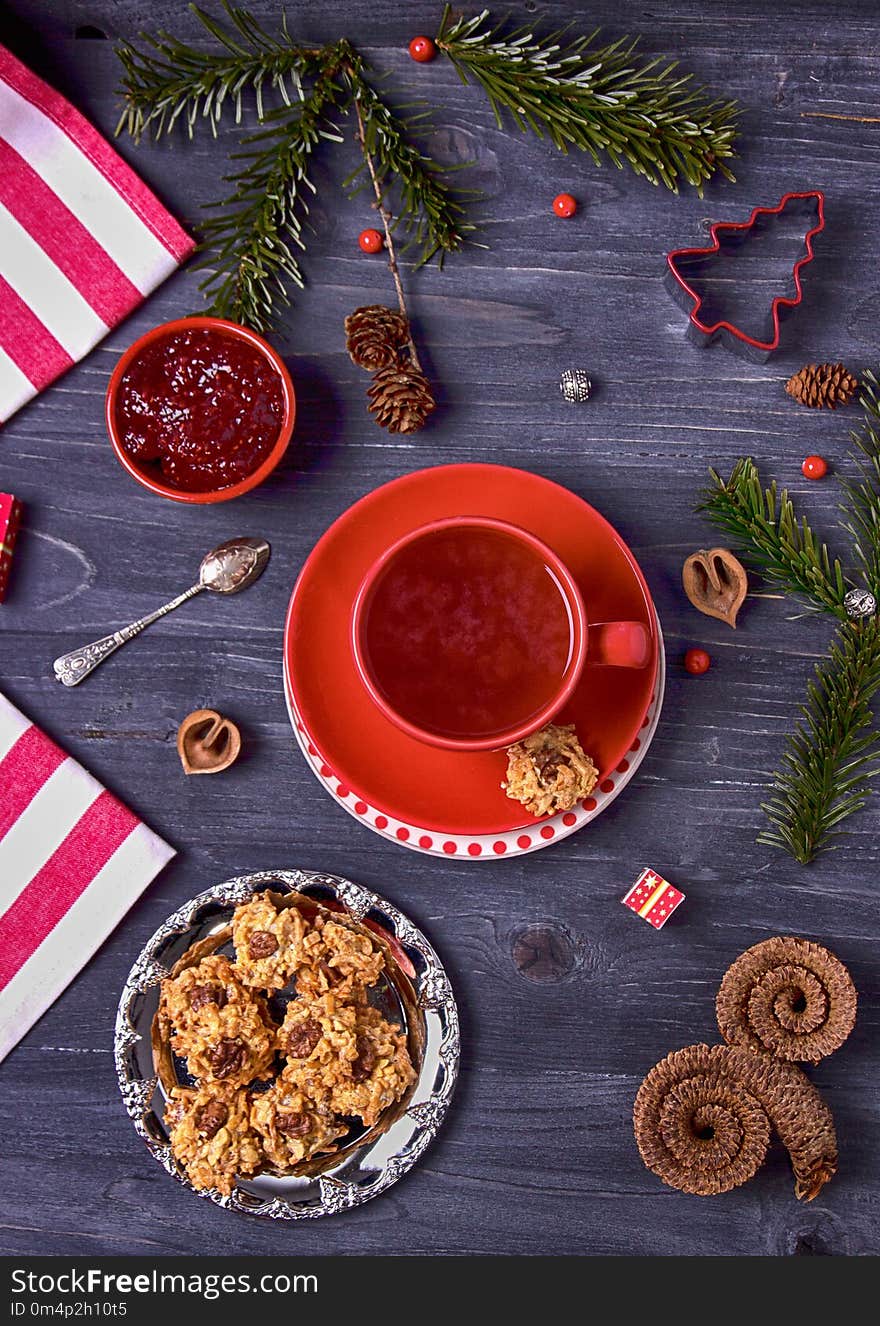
340	1058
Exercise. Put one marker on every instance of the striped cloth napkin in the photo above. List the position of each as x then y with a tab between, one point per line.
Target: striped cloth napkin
73	859
82	239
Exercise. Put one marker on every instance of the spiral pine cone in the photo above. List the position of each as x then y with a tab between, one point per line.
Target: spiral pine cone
822	386
400	398
704	1115
373	336
789	997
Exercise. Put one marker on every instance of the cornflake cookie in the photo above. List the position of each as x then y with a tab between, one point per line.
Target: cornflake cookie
318	1031
211	1135
268	942
338	957
291	1126
222	1029
365	1083
192	1000
548	771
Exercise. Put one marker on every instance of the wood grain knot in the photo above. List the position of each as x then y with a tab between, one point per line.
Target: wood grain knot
544	952
824	1236
811	1244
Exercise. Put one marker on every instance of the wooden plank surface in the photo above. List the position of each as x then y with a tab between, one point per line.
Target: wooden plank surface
538	1153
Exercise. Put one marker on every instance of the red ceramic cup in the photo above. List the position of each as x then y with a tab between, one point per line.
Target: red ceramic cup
617	644
146	474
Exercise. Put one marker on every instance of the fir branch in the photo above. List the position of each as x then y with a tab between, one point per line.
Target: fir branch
784	550
173	82
601	99
255	230
387	219
833	753
429	210
830	757
249	240
862	508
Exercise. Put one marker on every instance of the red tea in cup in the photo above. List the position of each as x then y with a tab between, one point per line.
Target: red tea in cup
469	632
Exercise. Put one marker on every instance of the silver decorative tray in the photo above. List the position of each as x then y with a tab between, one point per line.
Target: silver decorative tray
415	993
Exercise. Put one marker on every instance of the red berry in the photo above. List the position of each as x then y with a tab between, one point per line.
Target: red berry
564	204
697	661
422	49
370	241
815	467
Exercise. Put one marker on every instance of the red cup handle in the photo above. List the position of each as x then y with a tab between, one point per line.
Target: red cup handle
619	644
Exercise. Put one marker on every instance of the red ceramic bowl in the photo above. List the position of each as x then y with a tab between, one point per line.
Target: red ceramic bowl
145	475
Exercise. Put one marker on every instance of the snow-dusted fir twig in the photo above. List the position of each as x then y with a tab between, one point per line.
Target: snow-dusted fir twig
604	99
251	235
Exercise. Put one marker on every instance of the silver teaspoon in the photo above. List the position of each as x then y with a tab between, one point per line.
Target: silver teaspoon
225	570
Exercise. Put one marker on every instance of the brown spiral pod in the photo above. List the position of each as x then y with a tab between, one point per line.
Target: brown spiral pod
789	997
704	1115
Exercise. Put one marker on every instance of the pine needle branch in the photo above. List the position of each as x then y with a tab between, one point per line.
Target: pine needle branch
600	99
171	82
249	239
830	757
429	210
255	230
387	223
785	550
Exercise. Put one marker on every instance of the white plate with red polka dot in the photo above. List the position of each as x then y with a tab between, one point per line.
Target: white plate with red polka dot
529	837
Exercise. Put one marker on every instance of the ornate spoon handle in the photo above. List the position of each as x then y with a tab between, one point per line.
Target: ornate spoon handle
70	669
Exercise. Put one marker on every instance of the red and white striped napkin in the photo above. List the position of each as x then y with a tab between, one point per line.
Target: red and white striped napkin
73	859
82	239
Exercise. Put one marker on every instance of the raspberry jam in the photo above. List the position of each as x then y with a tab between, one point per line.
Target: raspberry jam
467	632
203	407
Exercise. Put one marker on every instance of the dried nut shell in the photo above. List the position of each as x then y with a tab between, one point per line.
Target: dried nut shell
207	742
716	583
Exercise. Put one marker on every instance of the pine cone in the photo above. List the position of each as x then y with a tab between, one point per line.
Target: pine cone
373	336
400	398
822	386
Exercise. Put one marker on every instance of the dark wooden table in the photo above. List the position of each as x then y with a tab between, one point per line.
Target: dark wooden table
538	1153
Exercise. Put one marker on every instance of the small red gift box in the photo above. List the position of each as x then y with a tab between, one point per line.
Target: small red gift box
10	514
653	898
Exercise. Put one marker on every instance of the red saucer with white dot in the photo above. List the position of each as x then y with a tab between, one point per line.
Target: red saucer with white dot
446	803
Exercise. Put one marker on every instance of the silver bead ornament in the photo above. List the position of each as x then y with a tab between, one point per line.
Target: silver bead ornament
575	385
859	603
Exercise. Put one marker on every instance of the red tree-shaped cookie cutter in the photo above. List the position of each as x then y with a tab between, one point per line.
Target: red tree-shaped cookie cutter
731	336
